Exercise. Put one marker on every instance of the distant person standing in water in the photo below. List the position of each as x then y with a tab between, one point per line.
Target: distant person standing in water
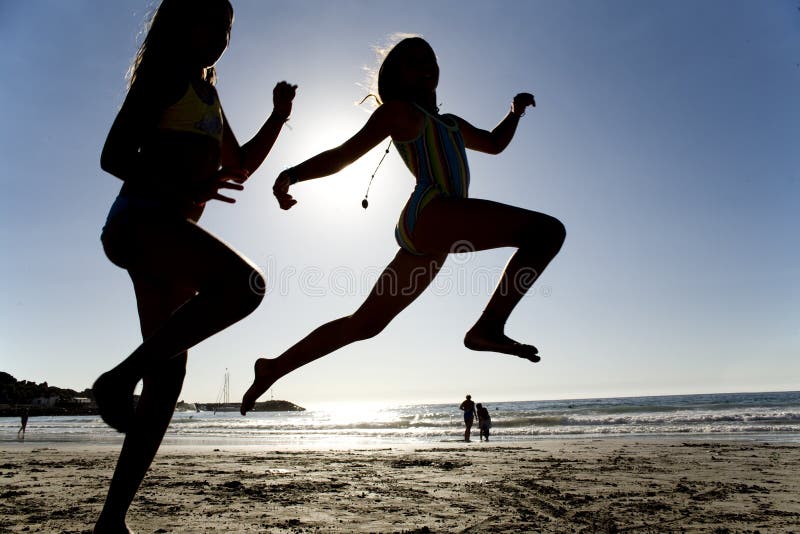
23	423
438	219
468	407
174	150
484	421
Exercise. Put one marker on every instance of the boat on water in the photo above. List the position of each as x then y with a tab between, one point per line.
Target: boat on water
223	403
266	406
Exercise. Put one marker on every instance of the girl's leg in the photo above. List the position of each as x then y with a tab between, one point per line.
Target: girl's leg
156	301
220	289
454	223
403	280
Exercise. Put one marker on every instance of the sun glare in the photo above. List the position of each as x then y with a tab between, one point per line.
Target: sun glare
351	413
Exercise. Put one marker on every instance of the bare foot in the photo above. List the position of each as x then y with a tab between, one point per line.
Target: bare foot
114	398
266	375
109	527
482	339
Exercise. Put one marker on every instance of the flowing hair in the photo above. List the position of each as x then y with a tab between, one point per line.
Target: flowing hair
384	81
166	33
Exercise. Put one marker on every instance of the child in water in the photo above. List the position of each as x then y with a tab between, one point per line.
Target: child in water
484	420
172	147
439	218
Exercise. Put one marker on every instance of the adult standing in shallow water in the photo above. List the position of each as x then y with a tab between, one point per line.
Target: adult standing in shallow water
174	150
438	219
468	407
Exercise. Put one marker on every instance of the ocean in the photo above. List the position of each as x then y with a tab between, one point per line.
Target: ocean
773	417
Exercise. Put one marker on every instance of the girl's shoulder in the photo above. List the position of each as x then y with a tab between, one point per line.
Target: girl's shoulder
402	119
399	108
157	93
205	91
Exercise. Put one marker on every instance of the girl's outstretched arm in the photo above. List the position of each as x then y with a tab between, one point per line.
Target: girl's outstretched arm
248	157
498	139
379	126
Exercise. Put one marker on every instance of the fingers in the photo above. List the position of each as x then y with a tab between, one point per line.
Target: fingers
281	191
228	185
282	183
282	97
236	174
223	198
520	102
284	91
524	100
211	190
285	200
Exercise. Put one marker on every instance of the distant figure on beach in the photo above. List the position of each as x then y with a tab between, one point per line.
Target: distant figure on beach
484	421
468	407
438	219
23	423
174	150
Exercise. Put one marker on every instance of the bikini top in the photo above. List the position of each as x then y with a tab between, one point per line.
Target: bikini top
437	156
195	115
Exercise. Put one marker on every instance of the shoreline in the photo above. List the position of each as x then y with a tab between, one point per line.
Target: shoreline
299	442
549	485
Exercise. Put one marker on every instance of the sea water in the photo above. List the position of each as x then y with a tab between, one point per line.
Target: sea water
762	416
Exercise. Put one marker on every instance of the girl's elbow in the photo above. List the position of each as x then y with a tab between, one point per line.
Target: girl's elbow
111	165
494	144
106	163
495	148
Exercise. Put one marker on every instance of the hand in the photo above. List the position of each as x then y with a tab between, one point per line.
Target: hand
237	174
281	191
521	101
282	97
209	190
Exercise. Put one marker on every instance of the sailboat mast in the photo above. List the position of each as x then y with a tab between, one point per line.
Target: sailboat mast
227	386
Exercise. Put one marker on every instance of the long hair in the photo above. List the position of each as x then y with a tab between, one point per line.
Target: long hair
382	82
389	81
166	34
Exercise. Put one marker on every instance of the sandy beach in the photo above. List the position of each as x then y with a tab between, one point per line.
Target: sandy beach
581	485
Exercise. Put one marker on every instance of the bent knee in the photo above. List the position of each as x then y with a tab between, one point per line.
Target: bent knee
246	287
558	231
256	286
544	230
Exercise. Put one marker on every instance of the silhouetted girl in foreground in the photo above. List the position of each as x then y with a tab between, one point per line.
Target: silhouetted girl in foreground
438	216
174	150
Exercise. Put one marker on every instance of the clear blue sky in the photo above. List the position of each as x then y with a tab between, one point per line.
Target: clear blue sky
665	138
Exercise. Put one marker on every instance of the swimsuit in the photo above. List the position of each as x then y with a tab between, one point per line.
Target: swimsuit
189	114
194	115
121	241
438	159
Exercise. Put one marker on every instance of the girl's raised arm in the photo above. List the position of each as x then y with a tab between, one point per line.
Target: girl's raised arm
378	127
498	139
248	157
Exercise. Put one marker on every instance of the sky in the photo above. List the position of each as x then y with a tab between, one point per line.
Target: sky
664	138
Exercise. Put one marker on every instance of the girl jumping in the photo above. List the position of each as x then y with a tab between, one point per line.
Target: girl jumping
172	147
438	216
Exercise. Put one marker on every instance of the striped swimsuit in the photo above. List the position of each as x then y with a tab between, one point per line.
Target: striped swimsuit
438	159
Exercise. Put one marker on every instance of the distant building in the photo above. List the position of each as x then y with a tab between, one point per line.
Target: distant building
81	400
45	401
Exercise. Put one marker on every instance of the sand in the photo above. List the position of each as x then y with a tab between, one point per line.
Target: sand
650	485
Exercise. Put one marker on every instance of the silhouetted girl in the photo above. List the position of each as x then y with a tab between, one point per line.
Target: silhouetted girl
438	217
174	150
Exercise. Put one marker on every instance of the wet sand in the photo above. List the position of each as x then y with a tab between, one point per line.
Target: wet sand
606	485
